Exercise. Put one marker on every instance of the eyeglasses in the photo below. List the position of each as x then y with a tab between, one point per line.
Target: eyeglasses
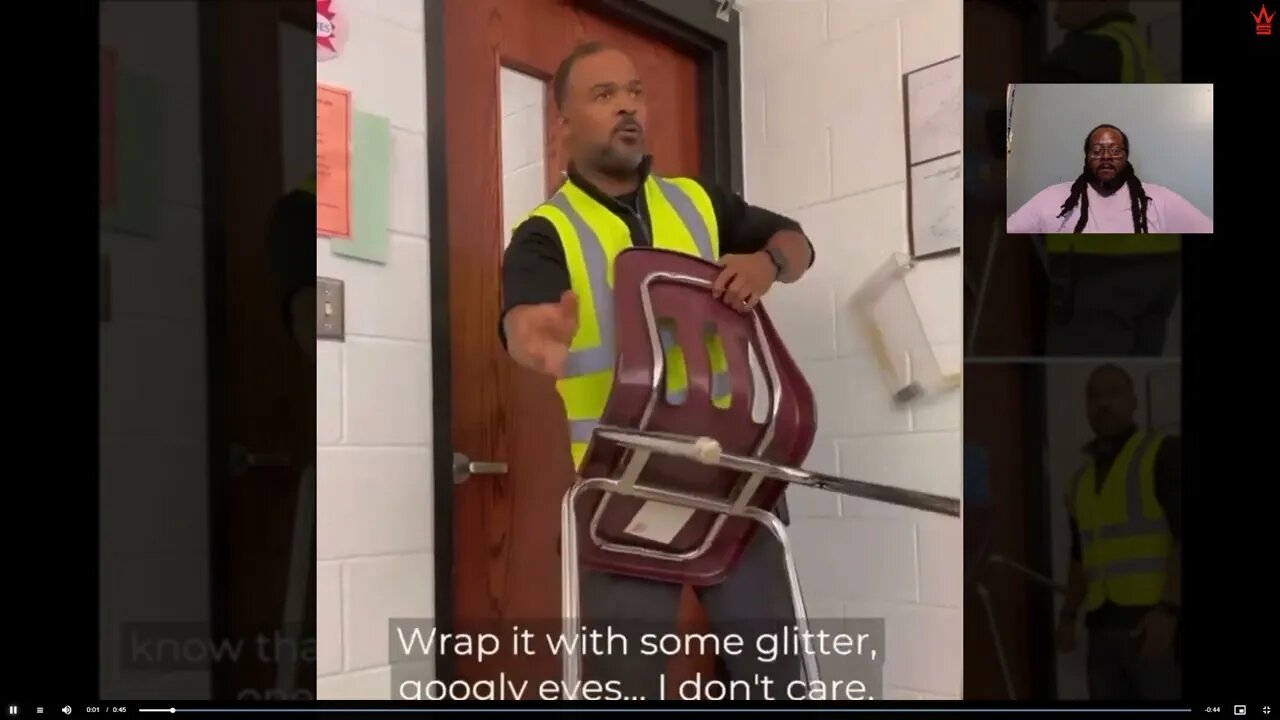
1115	151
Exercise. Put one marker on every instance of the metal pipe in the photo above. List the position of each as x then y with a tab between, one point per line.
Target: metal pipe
697	449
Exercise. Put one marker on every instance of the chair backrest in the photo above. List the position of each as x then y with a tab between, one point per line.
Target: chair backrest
660	292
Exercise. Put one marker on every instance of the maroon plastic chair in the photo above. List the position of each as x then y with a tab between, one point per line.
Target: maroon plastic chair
653	288
725	465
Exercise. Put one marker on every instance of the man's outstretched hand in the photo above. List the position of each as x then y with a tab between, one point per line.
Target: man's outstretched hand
538	336
744	280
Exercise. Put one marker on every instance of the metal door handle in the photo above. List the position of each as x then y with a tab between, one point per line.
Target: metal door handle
464	468
242	460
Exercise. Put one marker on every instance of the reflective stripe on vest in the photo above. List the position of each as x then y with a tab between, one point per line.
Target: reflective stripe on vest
1124	536
683	220
1136	63
1108	244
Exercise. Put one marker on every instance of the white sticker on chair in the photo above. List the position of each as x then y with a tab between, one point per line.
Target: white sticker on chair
659	522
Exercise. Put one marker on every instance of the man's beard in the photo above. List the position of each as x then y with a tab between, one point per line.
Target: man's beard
1108	187
617	164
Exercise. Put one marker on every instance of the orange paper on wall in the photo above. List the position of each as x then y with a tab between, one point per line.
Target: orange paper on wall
333	162
106	128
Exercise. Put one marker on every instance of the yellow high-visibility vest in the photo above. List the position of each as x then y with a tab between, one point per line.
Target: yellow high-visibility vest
683	220
1124	537
1109	244
1136	66
1136	63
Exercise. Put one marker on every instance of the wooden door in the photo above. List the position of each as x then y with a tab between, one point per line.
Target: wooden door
505	561
262	396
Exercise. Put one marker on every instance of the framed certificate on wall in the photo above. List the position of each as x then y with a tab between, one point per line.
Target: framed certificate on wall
933	98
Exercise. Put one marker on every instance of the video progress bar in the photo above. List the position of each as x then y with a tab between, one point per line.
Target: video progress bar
616	709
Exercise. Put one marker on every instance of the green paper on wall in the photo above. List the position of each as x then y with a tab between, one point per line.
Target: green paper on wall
137	151
370	186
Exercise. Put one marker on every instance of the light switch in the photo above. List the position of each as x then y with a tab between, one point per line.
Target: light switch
330	309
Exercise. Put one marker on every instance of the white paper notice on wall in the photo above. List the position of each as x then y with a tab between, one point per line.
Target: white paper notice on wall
659	522
937	205
935	110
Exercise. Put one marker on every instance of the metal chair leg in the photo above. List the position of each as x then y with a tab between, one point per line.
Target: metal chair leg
570	590
570	573
769	520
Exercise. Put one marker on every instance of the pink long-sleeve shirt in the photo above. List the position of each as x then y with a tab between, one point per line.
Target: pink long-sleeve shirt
1167	212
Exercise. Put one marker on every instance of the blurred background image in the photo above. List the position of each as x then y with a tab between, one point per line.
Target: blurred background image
207	404
1124	420
1038	324
1021	302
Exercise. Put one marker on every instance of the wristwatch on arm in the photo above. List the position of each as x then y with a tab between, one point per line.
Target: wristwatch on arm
779	261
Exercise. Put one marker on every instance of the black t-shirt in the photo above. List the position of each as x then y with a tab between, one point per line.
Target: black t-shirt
1168	492
534	269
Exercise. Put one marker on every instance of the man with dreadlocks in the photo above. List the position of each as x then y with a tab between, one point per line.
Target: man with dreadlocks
1108	197
1115	275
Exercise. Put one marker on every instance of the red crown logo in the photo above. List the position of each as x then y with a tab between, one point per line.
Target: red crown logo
1263	20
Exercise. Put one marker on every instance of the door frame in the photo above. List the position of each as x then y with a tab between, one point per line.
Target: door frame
716	47
1042	664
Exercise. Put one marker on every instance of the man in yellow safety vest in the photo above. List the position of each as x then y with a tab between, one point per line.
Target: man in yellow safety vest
1125	513
558	320
1102	45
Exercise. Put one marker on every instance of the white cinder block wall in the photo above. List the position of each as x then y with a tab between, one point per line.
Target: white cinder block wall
824	142
373	392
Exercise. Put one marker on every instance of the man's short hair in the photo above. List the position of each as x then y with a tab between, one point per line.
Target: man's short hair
560	81
1112	369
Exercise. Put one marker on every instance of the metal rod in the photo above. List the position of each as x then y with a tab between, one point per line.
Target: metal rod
1039	578
984	285
698	450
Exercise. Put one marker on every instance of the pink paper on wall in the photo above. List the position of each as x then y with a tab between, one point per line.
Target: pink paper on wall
333	162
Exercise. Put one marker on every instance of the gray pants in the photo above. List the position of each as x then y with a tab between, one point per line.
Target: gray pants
753	600
1108	306
1117	672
